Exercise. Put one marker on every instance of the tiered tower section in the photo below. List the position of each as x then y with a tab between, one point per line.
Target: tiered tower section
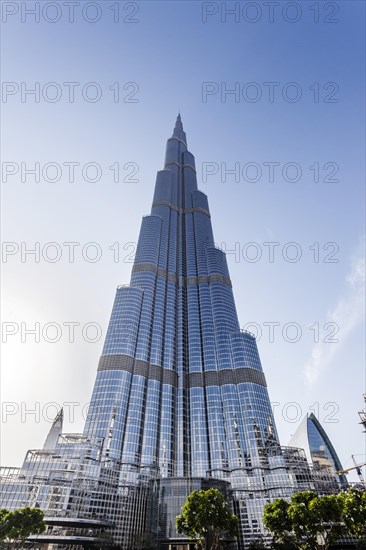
179	386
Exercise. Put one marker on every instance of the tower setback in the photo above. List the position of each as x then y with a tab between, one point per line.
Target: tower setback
181	383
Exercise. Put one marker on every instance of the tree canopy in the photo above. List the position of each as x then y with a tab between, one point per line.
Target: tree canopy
21	524
354	511
312	521
206	517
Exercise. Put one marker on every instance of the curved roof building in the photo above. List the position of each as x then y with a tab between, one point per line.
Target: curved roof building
311	436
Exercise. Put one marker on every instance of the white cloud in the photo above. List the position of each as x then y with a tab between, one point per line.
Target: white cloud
347	314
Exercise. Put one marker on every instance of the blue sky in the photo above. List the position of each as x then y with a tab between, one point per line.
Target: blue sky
164	59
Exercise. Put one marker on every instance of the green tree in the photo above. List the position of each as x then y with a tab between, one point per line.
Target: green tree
258	544
17	526
4	527
327	512
354	511
308	521
205	518
277	521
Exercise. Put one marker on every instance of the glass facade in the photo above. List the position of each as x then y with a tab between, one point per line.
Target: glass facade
319	450
180	398
182	385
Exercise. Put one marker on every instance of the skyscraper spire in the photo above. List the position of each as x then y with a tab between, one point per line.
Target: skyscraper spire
178	129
